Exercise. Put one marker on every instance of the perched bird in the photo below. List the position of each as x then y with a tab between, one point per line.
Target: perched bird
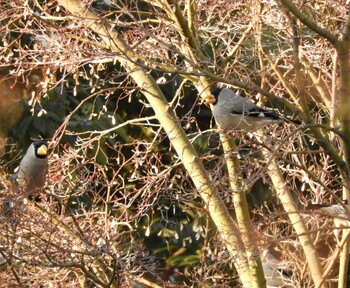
32	169
340	216
232	111
277	272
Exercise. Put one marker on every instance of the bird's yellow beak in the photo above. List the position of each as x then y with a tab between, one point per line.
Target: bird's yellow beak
42	150
209	100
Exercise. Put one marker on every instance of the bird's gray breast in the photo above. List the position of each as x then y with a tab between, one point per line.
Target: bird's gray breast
32	172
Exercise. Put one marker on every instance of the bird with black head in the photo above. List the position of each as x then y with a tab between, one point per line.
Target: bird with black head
33	167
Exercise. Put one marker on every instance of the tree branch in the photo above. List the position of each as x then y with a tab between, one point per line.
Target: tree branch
284	195
242	212
309	23
167	118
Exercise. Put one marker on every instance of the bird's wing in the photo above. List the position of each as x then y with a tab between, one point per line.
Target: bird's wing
13	177
260	112
237	104
334	210
241	106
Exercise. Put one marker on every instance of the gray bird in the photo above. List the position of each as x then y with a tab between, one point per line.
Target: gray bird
232	111
339	214
33	167
277	272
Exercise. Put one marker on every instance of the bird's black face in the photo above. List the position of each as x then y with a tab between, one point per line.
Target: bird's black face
40	149
215	91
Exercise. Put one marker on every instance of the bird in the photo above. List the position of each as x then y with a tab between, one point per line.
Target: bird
32	170
340	215
277	272
234	112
